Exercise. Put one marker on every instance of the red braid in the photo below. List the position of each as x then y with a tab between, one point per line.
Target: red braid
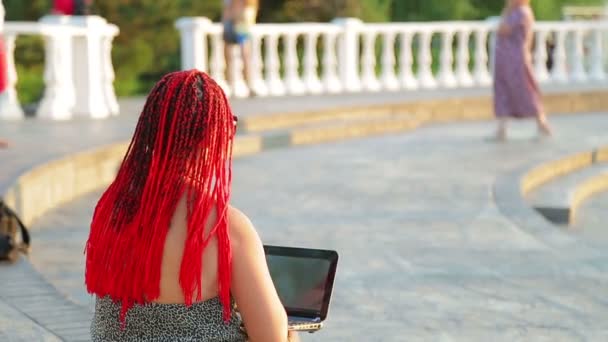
182	145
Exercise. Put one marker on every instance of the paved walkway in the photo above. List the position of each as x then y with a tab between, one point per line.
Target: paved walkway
425	253
592	220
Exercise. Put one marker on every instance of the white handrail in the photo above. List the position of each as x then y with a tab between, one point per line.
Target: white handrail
349	55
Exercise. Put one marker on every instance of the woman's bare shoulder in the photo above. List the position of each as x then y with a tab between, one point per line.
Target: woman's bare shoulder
242	231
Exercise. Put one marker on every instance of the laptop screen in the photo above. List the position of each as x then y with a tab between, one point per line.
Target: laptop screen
303	278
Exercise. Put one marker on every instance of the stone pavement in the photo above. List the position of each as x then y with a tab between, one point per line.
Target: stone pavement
592	220
425	253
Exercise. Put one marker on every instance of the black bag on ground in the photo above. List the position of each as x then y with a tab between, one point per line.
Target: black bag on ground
10	227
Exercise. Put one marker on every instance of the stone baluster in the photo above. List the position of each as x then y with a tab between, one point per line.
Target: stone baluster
291	64
540	56
348	53
406	62
389	79
425	60
10	109
597	72
59	93
236	74
331	81
193	33
275	85
481	74
463	74
108	74
311	64
369	79
559	73
257	83
218	62
578	63
446	76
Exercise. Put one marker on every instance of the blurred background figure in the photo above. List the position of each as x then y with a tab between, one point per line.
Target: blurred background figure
82	7
238	17
71	7
63	7
516	92
3	71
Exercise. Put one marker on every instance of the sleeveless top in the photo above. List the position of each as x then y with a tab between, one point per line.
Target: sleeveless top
202	321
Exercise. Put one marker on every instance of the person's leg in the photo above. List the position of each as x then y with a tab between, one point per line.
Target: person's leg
501	129
245	47
228	58
543	124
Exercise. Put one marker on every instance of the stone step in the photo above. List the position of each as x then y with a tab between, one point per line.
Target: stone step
329	131
558	199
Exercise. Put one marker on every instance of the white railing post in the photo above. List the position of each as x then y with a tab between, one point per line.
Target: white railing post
389	79
311	64
425	60
349	53
258	86
218	62
237	82
406	61
481	74
193	42
276	86
331	81
59	93
108	71
369	80
578	68
540	56
559	73
293	82
597	72
446	73
10	109
463	74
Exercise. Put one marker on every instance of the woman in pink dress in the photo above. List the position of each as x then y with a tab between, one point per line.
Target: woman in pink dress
516	92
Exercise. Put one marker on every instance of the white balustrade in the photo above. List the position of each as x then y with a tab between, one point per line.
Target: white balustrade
355	56
406	61
540	56
578	58
559	73
389	79
481	73
78	72
463	74
9	105
369	79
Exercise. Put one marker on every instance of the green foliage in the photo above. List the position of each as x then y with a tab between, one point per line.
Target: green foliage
148	44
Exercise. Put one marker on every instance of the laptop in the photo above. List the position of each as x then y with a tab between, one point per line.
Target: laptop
304	280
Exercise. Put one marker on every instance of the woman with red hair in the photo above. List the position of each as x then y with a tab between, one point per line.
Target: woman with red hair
168	258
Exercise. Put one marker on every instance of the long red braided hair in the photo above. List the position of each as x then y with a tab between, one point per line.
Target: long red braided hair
182	146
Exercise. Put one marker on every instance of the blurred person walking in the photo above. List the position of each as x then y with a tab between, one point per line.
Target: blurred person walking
238	18
71	7
516	91
3	66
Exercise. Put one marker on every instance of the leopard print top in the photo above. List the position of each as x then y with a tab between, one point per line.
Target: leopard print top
165	322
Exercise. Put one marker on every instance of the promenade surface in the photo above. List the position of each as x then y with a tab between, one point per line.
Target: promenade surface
426	255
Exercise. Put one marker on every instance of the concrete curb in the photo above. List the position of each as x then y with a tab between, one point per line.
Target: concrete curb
546	172
510	190
440	110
